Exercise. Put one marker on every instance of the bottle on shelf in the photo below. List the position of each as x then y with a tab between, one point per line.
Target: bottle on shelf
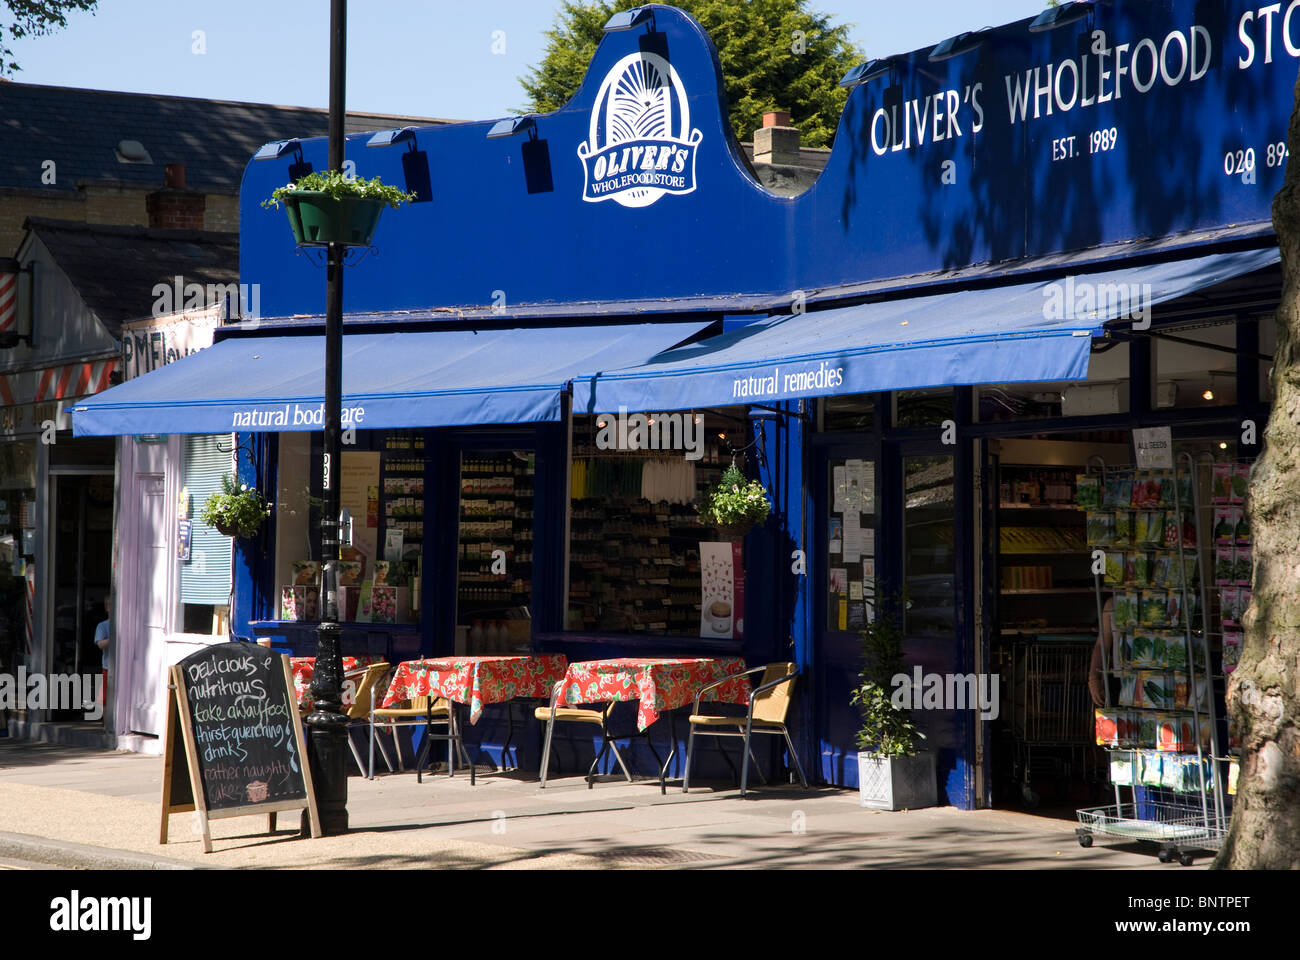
476	636
491	637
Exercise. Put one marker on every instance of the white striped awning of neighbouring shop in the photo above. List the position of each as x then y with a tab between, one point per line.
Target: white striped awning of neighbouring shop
57	383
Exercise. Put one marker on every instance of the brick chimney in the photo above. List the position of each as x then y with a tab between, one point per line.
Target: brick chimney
173	207
776	141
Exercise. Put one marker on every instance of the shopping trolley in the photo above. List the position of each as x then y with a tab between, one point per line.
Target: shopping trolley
1178	824
1051	710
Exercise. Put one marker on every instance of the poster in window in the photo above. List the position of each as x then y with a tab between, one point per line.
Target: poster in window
721	591
835	534
358	483
184	531
838	485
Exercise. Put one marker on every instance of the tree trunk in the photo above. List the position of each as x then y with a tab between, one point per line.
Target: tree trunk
1264	690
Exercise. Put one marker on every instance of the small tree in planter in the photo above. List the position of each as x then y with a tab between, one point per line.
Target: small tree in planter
736	505
327	207
237	511
892	774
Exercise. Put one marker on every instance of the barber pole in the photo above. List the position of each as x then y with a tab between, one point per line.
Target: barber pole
30	577
8	299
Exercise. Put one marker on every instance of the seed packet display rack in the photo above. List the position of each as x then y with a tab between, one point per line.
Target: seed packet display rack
1179	823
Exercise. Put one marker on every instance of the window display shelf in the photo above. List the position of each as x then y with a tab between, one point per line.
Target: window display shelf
1042	591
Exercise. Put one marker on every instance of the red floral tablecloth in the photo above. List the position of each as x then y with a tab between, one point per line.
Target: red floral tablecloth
477	680
659	683
354	669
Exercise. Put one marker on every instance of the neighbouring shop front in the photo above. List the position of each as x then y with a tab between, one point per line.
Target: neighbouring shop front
918	357
56	491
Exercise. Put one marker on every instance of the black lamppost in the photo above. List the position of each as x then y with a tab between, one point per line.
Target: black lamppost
327	726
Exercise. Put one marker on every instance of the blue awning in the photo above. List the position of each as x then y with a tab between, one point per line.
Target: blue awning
390	380
1028	332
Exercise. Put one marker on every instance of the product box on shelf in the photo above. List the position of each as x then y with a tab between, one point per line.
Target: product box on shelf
1150	766
1231	651
1126	609
1122	768
348	598
1183	699
300	603
1128	696
1174	732
1121	656
1087	491
1230	606
1175	650
1224	564
1109	724
1241	565
1155	689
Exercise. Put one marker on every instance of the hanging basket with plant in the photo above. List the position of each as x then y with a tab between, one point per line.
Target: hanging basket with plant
736	505
237	511
329	208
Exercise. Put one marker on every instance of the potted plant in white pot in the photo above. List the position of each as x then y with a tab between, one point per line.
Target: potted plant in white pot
892	773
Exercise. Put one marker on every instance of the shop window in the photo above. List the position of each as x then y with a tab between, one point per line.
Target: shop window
851	545
1190	372
857	412
640	561
929	560
93	452
81	543
205	572
381	485
1267	348
495	551
1104	391
923	408
17	514
295	535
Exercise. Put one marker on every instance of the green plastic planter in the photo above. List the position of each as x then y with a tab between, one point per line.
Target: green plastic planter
317	219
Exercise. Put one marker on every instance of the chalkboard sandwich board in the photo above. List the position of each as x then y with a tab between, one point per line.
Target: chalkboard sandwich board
234	740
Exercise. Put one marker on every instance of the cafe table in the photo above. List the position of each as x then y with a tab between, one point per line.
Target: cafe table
304	668
660	684
478	681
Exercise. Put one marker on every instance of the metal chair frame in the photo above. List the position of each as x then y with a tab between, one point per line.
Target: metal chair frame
367	688
452	736
606	741
770	726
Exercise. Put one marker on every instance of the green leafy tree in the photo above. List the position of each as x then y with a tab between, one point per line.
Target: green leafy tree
33	18
775	55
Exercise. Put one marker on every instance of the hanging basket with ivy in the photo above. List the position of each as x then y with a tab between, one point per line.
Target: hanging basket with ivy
736	505
328	208
237	511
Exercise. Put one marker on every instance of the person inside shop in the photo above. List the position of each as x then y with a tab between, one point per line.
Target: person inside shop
1101	651
103	635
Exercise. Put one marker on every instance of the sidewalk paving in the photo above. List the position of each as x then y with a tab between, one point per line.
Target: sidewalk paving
75	807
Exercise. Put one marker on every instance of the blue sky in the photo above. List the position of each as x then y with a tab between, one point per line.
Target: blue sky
411	57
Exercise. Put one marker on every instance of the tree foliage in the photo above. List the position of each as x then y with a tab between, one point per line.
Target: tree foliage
33	18
775	55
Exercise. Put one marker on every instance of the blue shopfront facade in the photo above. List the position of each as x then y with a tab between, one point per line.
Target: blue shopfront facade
587	263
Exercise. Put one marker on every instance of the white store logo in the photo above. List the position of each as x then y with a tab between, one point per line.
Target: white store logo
640	144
